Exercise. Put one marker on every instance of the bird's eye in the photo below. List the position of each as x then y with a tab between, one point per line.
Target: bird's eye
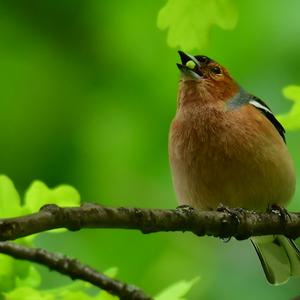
216	70
190	64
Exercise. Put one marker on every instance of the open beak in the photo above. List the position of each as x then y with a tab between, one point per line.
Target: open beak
185	69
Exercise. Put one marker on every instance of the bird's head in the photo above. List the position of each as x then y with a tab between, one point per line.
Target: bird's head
204	80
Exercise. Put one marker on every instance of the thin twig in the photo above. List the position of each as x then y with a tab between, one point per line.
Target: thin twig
74	269
238	223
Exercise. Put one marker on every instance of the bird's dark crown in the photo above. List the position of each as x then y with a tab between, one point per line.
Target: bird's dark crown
203	59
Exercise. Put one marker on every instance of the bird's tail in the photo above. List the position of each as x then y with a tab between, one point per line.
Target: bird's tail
279	257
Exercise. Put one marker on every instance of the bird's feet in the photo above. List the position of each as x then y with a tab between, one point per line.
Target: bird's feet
185	208
235	213
280	211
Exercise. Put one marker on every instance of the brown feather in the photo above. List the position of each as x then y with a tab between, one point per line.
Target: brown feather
232	157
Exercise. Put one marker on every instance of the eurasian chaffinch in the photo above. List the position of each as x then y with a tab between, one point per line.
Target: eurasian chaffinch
226	146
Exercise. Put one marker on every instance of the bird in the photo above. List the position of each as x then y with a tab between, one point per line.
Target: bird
227	148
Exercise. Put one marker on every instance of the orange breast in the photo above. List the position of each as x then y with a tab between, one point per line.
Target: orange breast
236	158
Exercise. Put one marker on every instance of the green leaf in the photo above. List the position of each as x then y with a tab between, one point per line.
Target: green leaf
33	279
189	21
80	295
6	273
15	272
105	296
9	199
111	272
75	290
27	293
77	295
177	291
39	194
291	120
17	276
19	279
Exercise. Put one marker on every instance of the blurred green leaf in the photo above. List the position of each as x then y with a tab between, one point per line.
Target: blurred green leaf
78	295
291	120
33	279
177	291
39	194
15	273
10	206
9	199
77	290
189	21
27	293
112	272
7	274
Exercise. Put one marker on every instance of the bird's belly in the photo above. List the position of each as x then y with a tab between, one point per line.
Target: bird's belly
207	174
207	186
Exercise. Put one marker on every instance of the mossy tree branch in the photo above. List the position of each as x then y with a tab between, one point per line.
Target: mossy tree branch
74	269
237	223
226	223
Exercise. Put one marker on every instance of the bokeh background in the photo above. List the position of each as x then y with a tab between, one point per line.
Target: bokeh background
87	93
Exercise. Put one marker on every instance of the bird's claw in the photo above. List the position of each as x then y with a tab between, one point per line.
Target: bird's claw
234	212
185	208
280	211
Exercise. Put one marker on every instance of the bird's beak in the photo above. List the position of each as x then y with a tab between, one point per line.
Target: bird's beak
186	69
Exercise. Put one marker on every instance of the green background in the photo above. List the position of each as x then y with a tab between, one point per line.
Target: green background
87	93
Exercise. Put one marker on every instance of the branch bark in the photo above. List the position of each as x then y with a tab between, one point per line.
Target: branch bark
74	269
237	223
